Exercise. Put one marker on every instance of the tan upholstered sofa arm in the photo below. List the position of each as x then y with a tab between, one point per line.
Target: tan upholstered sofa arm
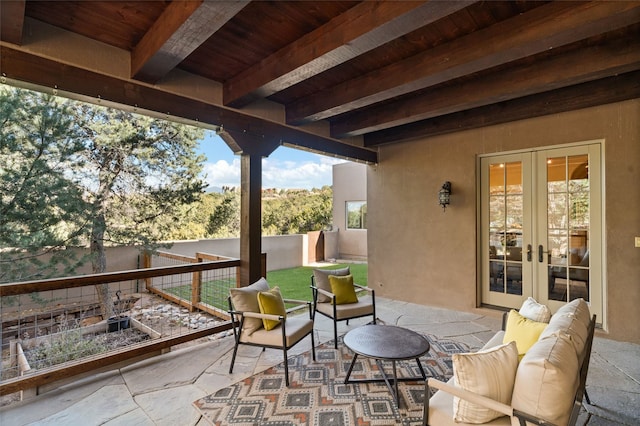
471	396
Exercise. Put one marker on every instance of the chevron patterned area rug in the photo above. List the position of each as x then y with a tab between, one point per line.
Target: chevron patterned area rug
318	396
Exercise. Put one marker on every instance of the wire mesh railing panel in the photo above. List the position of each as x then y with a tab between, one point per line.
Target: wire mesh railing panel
62	324
41	329
206	291
215	285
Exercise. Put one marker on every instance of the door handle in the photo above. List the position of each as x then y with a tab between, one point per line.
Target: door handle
540	253
529	252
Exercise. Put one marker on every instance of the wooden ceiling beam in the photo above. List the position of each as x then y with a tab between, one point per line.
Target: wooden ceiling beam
543	28
578	66
36	70
362	28
181	29
12	20
594	93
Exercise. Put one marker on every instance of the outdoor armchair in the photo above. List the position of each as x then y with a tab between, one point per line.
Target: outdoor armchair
328	303
254	325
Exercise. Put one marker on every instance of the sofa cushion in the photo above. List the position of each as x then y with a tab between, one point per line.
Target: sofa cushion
571	320
270	302
496	340
321	278
489	373
535	311
577	308
245	299
523	331
441	411
547	379
342	287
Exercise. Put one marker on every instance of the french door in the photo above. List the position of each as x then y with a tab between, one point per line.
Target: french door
541	227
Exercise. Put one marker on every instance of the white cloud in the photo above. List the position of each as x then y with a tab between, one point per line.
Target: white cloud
298	174
222	173
276	173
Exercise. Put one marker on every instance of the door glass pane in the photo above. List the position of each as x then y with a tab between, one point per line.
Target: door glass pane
496	179
568	227
557	210
505	222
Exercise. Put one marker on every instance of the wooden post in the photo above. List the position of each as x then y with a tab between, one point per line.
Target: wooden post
196	284
252	148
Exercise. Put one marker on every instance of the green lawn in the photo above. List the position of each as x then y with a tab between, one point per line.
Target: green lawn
294	284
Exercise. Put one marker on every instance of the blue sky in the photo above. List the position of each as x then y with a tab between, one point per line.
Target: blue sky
286	168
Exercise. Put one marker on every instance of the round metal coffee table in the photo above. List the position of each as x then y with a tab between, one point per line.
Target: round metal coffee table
386	343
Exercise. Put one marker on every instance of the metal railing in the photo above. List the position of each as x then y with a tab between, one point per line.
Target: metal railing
166	305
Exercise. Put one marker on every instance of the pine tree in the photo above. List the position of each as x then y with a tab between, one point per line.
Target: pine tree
73	173
138	171
41	206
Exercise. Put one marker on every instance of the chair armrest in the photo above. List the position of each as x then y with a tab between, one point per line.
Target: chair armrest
263	316
295	301
471	396
300	304
523	418
325	292
361	288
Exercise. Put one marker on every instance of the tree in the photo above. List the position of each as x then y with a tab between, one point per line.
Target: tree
137	173
74	173
297	211
41	206
193	224
225	219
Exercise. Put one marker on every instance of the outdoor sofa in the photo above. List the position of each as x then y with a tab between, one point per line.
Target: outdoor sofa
541	384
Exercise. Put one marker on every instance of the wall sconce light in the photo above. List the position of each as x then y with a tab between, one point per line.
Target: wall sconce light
444	196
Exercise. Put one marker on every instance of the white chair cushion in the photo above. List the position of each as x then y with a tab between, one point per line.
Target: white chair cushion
297	328
547	380
349	310
489	373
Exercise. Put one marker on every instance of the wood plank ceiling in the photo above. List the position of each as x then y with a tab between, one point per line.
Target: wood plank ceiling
371	72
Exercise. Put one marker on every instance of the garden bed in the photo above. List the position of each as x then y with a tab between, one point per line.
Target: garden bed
77	342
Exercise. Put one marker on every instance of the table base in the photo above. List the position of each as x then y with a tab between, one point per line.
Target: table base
385	378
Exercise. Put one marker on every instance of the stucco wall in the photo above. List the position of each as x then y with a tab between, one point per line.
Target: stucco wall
283	252
349	184
419	253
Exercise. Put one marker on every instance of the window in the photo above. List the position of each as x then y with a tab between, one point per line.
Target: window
356	215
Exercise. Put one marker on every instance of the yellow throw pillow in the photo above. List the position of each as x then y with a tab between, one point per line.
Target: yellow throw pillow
523	331
343	288
321	280
270	302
